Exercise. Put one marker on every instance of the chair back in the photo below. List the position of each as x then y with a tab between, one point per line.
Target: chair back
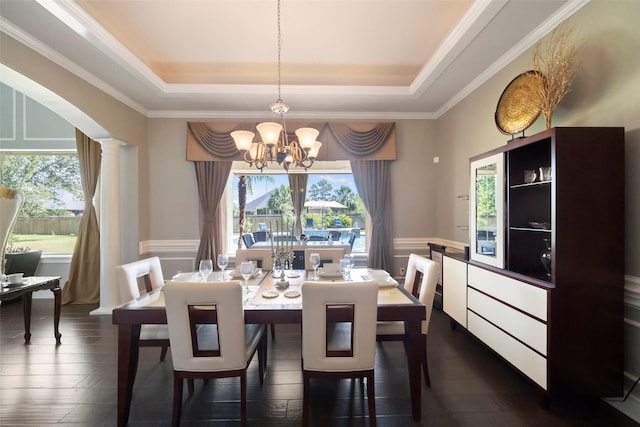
262	226
262	257
327	255
421	280
352	240
260	236
335	235
309	223
247	239
360	298
149	269
226	349
23	262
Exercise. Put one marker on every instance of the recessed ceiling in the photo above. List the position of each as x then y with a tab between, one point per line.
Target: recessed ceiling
346	58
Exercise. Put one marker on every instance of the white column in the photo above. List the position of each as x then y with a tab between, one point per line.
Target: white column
109	220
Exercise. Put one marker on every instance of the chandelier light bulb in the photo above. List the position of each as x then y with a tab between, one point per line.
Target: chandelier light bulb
243	139
307	137
269	132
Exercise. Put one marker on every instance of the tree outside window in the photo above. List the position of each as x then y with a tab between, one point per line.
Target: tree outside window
53	198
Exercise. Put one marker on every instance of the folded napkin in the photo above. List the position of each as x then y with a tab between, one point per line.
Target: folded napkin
324	272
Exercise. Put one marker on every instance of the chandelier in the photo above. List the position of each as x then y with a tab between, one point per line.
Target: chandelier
275	145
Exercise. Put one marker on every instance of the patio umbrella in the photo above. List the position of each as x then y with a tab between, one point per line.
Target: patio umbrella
322	204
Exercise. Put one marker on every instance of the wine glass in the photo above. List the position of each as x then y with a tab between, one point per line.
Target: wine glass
352	260
345	268
314	260
206	267
246	270
223	261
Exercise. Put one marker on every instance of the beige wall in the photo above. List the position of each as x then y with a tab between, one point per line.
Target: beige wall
606	92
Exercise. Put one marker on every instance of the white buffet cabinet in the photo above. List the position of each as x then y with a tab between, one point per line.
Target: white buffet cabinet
508	315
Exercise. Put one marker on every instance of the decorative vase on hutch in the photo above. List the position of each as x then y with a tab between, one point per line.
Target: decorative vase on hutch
545	256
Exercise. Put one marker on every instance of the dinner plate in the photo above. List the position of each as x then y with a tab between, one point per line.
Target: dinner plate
270	294
293	275
292	293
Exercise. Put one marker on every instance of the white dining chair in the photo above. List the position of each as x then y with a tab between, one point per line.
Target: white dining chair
339	350
327	255
420	281
262	257
150	271
222	347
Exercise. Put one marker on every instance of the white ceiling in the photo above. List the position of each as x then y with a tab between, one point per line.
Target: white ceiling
340	58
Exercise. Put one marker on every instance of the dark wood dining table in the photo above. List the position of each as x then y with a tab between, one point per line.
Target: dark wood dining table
25	289
394	304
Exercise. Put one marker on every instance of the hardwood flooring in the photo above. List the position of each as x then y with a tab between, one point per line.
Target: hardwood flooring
74	384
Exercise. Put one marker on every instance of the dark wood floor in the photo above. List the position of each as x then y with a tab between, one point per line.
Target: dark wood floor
75	383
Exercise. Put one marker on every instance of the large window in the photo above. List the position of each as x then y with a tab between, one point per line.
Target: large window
332	204
53	198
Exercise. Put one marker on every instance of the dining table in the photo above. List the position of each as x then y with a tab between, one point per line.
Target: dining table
267	301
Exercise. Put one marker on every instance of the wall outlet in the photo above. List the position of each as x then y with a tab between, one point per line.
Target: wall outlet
402	270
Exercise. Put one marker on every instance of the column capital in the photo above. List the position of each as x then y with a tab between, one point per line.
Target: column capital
107	143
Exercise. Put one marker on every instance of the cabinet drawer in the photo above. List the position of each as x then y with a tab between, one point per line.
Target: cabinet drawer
454	298
527	329
522	357
524	296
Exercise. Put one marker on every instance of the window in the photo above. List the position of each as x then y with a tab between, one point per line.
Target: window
332	204
53	197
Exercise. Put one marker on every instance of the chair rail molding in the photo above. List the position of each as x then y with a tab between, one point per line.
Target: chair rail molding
168	246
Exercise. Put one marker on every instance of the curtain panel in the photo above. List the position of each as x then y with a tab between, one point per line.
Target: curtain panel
211	178
373	182
83	286
298	188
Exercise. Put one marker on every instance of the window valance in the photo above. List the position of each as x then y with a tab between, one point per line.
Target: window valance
340	141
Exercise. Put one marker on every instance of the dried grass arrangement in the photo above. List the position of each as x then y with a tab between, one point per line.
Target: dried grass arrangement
556	59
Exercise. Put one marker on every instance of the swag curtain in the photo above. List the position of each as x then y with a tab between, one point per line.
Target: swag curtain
83	286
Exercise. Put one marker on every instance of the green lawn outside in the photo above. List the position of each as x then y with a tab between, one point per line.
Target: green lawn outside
53	244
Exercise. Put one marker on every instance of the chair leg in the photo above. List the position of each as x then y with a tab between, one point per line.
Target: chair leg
371	398
177	400
243	398
273	331
425	366
163	352
305	399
